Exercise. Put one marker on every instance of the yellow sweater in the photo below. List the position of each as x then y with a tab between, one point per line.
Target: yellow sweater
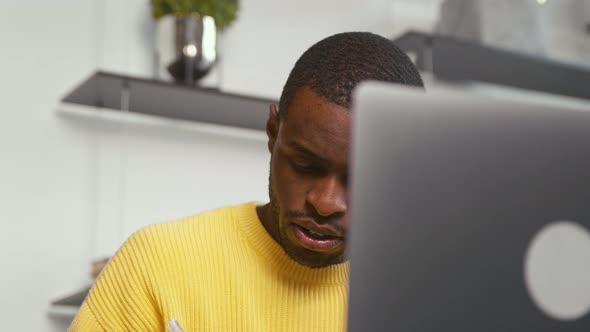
216	271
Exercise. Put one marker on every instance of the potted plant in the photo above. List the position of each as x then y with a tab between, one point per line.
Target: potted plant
222	11
187	35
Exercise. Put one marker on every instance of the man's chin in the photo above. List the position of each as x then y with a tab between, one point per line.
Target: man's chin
322	264
313	259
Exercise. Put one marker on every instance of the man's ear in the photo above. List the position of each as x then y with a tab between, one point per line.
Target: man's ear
272	126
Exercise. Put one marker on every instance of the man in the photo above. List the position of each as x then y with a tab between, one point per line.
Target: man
274	267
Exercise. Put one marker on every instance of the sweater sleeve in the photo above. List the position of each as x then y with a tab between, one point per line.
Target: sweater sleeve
122	298
85	321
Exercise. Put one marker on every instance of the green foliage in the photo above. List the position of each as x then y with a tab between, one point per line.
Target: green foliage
223	11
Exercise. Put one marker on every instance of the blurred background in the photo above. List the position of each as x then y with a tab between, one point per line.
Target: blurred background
76	179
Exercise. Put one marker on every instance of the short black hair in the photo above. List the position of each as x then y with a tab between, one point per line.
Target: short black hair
335	65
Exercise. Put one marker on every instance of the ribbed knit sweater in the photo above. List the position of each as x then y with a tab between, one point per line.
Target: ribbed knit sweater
215	271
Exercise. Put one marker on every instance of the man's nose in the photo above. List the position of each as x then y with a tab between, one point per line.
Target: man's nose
328	196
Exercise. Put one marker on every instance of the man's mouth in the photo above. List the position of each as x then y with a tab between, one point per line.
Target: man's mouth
316	239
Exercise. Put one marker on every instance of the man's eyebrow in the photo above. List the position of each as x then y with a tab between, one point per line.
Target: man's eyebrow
298	148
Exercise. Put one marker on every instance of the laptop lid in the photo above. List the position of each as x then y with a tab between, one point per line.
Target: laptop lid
468	214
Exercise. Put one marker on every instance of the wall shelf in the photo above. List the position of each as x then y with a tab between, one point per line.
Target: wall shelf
459	60
68	306
63	311
165	99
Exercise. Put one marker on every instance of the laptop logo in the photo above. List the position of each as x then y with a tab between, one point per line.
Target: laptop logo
557	270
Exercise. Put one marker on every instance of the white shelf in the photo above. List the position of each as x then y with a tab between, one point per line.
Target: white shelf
130	120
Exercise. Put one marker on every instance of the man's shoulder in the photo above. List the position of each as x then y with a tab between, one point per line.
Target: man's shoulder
186	241
218	220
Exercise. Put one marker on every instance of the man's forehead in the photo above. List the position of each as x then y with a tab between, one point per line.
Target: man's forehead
317	126
310	110
314	127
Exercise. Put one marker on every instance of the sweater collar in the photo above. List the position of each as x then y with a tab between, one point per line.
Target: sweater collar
266	246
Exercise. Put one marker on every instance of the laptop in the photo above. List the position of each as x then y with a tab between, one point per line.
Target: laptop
468	214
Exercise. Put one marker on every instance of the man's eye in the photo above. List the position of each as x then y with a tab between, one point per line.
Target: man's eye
303	166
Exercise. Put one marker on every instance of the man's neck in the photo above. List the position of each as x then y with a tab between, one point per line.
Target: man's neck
266	217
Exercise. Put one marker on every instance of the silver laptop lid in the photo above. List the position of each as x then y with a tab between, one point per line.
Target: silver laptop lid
468	214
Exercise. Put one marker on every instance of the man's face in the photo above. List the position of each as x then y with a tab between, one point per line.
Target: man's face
308	179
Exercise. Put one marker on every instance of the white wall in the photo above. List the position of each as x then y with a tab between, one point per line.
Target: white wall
150	170
45	169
